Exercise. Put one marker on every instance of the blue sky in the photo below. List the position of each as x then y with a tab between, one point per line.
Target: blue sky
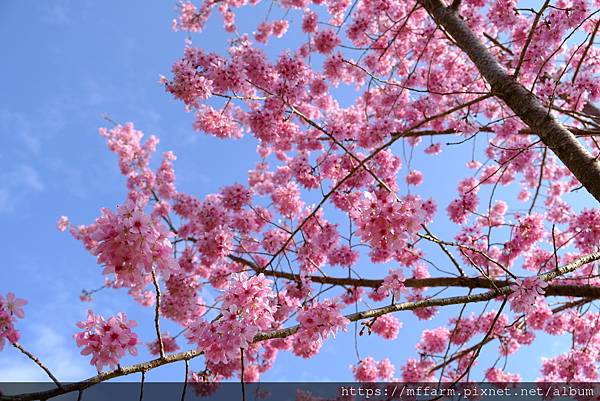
65	64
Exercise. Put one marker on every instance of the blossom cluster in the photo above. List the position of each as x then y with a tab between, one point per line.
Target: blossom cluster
106	340
368	370
247	308
317	322
389	224
526	294
129	243
11	309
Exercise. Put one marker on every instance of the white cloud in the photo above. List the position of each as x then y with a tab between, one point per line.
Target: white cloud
16	183
16	125
27	176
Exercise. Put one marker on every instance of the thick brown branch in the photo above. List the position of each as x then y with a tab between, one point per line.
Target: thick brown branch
578	132
522	102
583	291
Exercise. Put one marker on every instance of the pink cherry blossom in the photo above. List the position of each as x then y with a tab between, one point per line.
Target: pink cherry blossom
169	345
13	305
526	293
368	370
414	177
63	223
11	309
326	41
387	326
107	341
434	341
128	243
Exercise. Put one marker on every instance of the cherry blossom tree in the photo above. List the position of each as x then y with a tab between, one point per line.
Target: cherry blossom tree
521	80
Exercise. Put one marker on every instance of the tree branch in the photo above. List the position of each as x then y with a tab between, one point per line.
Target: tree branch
522	102
584	291
37	362
161	347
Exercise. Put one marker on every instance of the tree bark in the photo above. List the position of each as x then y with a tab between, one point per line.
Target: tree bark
520	100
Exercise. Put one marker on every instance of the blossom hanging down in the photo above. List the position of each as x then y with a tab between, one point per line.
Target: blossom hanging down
11	308
525	294
129	243
247	308
316	323
106	340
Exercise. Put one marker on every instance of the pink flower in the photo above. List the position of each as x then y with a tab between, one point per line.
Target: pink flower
434	342
385	369
13	305
417	370
460	208
280	27
187	85
264	30
217	123
343	256
368	370
414	177
586	229
529	231
322	318
389	224
526	293
473	164
497	375
169	345
236	196
393	283
182	301
247	307
85	296
523	195
10	310
387	326
434	149
287	199
191	19
62	223
106	340
309	22
129	243
326	41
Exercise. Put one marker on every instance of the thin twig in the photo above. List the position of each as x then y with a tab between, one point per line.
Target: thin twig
157	314
185	380
142	385
242	375
37	362
446	251
585	51
540	179
538	15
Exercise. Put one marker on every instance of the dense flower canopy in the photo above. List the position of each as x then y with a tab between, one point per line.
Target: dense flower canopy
421	71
